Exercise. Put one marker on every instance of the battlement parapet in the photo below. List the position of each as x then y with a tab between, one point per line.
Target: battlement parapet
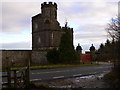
49	4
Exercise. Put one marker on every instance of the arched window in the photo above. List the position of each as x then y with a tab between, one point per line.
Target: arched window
52	37
47	22
39	40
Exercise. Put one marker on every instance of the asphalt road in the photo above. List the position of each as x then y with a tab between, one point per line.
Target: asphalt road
50	74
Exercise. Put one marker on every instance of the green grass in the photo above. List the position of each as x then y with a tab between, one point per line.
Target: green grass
54	66
59	66
112	79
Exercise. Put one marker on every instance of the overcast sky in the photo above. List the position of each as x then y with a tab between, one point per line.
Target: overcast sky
88	18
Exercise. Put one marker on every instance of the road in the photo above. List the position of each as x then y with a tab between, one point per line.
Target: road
49	74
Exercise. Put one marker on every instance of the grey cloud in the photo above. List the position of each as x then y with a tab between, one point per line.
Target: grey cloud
17	16
88	15
95	33
17	45
94	12
85	36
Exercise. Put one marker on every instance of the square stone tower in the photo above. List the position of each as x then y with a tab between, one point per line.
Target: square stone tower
46	31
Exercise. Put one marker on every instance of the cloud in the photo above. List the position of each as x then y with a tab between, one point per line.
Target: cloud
87	18
88	12
16	16
0	16
91	20
92	34
18	46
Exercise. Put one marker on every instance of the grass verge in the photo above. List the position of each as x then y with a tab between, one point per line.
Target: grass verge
112	79
55	66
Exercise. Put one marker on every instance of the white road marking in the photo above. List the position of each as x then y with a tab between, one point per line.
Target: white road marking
104	67
51	72
7	82
38	73
22	81
95	72
58	77
35	79
4	82
77	75
105	71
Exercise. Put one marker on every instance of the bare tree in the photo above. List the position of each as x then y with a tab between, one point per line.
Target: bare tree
113	29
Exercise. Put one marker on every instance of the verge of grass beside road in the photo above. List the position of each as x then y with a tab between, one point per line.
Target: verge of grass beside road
55	66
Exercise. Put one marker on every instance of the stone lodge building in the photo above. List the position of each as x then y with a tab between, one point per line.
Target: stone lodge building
46	31
46	34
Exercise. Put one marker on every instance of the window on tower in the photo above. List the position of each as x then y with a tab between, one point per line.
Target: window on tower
47	22
55	14
47	13
52	35
35	25
39	40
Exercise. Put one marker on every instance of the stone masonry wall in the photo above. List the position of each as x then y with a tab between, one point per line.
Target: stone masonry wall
21	57
15	57
39	58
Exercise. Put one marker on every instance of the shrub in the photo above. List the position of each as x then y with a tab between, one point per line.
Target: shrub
53	56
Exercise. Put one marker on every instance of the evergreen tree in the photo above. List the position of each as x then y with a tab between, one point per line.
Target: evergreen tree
106	50
67	52
53	56
101	48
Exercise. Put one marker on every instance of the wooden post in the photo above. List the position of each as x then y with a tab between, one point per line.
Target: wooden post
8	73
27	78
15	79
9	77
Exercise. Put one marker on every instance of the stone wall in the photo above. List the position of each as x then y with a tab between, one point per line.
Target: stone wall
21	57
15	57
39	58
